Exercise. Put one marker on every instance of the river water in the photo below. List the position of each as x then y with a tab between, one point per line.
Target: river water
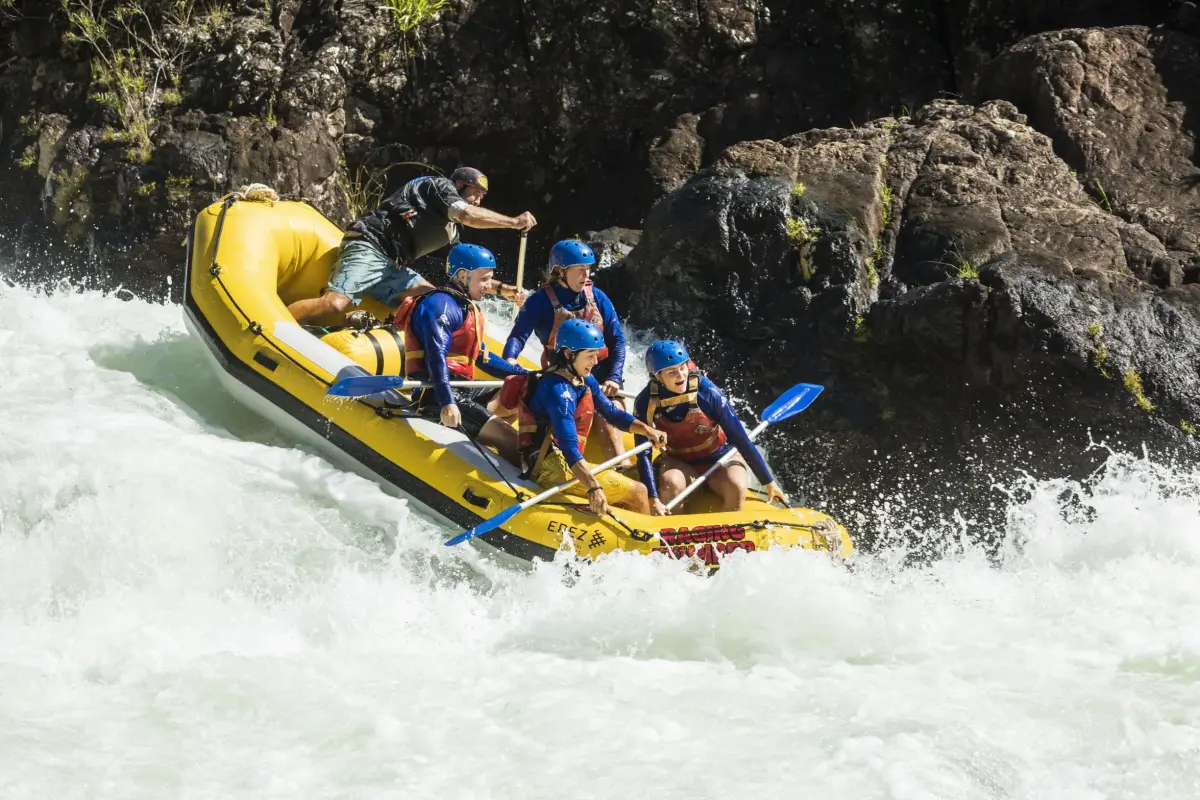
191	606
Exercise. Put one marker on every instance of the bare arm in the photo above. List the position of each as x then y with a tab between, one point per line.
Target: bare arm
580	470
477	217
597	502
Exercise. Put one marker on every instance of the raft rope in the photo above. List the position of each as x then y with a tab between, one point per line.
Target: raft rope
521	496
254	193
261	193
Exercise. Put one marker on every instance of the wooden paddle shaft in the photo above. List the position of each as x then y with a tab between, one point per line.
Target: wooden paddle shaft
521	265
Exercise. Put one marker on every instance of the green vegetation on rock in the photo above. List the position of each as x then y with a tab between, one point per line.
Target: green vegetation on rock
1100	354
803	236
361	190
411	14
135	68
1133	385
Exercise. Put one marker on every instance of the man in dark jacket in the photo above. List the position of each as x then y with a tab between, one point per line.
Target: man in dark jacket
423	216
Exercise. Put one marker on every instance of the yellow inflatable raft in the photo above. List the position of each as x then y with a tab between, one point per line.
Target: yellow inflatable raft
249	258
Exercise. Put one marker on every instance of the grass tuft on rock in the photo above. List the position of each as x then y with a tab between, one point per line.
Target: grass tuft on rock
1133	385
412	14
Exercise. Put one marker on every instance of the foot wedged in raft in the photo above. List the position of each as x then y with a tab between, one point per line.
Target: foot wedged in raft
248	259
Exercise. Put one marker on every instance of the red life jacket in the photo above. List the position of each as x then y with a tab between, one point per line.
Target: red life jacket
465	343
534	437
589	313
694	438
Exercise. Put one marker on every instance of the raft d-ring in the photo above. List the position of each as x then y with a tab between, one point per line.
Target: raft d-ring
255	328
214	270
386	413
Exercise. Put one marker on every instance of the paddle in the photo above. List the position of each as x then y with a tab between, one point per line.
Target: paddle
363	385
521	266
508	513
790	403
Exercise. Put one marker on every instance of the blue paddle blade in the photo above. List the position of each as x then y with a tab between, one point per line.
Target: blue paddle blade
792	402
485	526
363	385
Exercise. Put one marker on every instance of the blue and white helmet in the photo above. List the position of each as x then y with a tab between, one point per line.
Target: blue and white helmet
469	257
665	354
578	334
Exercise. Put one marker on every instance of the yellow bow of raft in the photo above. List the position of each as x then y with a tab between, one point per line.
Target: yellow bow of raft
251	254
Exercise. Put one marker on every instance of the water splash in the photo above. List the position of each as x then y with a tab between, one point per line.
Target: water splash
191	606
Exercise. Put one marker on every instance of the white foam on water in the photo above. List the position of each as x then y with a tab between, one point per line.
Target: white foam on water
192	606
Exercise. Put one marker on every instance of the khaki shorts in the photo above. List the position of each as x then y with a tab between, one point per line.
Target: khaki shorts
554	470
363	270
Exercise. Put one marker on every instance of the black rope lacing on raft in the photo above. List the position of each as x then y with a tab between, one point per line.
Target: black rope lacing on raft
521	496
632	531
770	523
215	270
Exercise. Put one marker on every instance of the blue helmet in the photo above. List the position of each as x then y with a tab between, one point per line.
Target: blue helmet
578	334
665	354
569	252
469	257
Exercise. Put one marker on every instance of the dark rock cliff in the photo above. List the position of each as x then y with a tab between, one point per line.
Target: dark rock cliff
978	295
584	112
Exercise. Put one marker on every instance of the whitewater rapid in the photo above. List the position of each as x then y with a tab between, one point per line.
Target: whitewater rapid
191	606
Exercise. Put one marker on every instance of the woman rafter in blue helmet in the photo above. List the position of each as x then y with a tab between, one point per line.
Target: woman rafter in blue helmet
701	426
555	414
443	340
568	294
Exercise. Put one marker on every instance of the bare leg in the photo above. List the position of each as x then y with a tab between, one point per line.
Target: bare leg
670	483
638	499
499	434
729	483
326	305
419	288
673	476
506	414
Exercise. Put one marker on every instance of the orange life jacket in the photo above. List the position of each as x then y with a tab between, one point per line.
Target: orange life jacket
465	343
534	437
589	313
694	438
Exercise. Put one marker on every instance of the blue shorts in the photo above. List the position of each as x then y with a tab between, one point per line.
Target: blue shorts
364	270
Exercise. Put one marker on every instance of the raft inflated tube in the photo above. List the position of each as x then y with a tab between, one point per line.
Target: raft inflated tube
248	259
379	351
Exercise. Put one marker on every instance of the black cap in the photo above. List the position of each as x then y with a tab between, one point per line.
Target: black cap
470	175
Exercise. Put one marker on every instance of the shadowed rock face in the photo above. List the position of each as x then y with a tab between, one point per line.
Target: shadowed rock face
968	306
583	111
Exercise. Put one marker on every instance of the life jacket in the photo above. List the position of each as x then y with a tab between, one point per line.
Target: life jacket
695	437
589	313
534	437
466	343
